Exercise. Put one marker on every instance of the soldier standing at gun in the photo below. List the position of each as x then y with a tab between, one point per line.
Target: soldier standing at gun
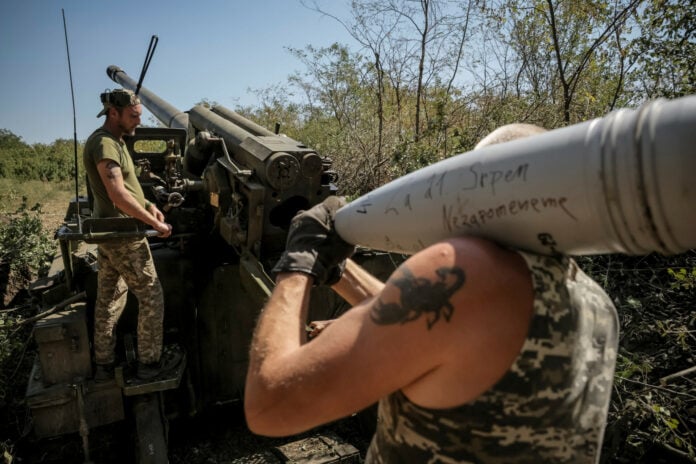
475	352
123	263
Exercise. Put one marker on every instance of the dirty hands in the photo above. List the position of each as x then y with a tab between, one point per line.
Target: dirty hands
313	246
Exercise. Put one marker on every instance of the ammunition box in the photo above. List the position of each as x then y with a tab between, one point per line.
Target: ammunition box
63	345
55	409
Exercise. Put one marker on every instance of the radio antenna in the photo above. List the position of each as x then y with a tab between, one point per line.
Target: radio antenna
72	93
148	57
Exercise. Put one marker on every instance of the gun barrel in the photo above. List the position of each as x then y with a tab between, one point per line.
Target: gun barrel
619	184
165	112
204	119
254	180
240	120
200	117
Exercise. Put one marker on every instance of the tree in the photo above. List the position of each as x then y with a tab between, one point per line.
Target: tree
664	53
417	48
9	141
54	162
371	28
579	41
339	113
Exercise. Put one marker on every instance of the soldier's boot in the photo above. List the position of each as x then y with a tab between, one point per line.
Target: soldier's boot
169	361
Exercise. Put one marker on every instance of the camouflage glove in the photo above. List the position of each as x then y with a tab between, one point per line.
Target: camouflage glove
313	246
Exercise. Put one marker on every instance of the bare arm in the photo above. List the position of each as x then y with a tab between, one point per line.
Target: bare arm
397	340
112	177
356	284
292	385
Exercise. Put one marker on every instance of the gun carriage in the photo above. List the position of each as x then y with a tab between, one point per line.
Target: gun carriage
229	187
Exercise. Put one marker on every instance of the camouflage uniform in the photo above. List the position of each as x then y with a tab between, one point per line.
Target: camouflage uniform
549	407
127	265
124	264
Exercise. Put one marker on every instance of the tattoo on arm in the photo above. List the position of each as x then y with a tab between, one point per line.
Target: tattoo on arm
113	170
420	296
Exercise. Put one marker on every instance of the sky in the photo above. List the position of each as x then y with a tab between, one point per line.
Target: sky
212	49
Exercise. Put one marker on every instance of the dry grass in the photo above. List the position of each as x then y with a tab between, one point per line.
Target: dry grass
53	199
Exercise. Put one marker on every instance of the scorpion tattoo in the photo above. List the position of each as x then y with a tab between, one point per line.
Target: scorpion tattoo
420	296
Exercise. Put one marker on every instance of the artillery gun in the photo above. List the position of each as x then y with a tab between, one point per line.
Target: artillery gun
229	187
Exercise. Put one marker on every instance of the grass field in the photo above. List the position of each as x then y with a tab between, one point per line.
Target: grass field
53	199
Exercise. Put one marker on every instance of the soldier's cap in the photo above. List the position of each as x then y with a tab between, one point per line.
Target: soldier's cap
117	98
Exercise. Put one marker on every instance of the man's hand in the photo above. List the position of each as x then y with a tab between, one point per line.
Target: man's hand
152	209
112	178
313	246
164	229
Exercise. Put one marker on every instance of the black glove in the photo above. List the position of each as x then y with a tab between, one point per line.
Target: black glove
313	246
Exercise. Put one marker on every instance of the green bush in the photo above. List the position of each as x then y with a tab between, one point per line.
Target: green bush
24	245
54	162
24	252
649	415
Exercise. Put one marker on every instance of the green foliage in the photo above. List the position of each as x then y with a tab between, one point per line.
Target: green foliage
25	249
274	106
683	279
24	252
654	297
24	246
54	162
9	141
411	156
339	118
664	50
569	54
628	368
14	365
10	346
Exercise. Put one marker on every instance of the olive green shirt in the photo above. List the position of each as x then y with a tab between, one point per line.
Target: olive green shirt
102	145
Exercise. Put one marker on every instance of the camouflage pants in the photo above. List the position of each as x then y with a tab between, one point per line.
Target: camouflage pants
127	265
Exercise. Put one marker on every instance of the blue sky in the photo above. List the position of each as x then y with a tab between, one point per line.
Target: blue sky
214	49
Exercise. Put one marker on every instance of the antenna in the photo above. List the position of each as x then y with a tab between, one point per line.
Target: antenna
72	93
148	57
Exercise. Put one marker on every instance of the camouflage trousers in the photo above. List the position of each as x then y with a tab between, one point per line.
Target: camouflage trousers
127	265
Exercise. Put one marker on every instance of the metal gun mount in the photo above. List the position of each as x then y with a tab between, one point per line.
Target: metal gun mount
254	180
229	187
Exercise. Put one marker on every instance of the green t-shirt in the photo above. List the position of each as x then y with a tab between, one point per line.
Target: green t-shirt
101	145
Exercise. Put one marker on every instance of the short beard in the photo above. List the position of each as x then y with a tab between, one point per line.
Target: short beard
125	130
